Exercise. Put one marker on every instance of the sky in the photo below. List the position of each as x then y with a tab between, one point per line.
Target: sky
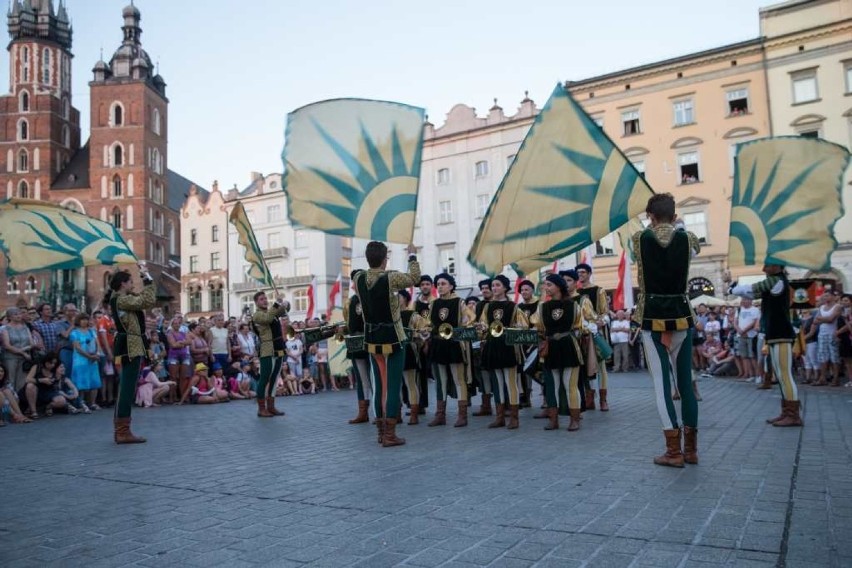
235	68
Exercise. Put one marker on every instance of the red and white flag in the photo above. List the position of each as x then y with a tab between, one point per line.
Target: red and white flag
312	293
622	299
335	297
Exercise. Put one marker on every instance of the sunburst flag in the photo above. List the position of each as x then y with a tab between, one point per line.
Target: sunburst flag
352	166
37	235
568	186
254	255
787	196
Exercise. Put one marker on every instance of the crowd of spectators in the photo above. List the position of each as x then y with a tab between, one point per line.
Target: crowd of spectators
64	362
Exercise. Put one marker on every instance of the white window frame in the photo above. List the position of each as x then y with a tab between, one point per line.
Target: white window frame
685	216
300	300
684	111
112	121
737	94
447	259
442	177
300	239
847	73
599	120
639	165
483	200
273	240
605	246
215	260
799	78
694	158
302	266
273	213
629	116
445	212
481	168
214	233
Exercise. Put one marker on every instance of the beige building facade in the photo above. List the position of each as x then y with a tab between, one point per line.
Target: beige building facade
203	240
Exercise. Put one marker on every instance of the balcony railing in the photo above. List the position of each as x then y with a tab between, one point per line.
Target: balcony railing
280	281
277	252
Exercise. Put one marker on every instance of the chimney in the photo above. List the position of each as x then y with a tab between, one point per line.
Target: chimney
256	176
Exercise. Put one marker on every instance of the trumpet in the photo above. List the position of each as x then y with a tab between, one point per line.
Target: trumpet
315	334
445	331
291	333
496	329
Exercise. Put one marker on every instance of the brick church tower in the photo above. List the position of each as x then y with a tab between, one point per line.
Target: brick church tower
120	175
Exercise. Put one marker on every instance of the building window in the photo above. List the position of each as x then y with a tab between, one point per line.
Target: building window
300	300
273	240
302	266
23	161
117	155
599	120
445	209
443	176
46	66
809	133
605	246
346	266
684	112
66	136
30	285
216	299
195	300
847	71
23	130
696	223
116	218
155	121
630	122
25	101
193	263
737	102
300	239
273	213
12	286
66	109
116	186
158	223
117	118
805	88
640	167
246	305
193	237
447	258
159	257
688	164
23	190
482	202
214	261
215	234
481	168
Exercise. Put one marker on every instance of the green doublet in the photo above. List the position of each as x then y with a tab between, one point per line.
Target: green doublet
380	334
775	310
663	256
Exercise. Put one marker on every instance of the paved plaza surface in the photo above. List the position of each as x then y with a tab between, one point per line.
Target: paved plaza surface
217	486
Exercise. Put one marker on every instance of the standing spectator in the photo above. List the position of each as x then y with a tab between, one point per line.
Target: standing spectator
178	354
247	343
47	328
636	353
620	335
17	342
827	344
811	354
323	372
86	375
698	337
295	349
105	327
199	349
713	327
219	341
844	338
65	324
747	327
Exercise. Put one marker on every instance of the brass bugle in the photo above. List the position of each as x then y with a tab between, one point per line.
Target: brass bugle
496	329
445	331
291	333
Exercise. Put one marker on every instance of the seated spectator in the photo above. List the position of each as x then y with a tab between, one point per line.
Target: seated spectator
308	384
74	399
247	383
42	388
722	364
290	382
151	389
710	347
8	394
200	389
219	383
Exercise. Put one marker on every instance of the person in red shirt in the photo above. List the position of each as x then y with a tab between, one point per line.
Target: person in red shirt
106	340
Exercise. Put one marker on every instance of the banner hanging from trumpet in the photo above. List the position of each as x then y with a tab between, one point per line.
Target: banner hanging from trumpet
568	186
352	167
254	255
787	196
36	235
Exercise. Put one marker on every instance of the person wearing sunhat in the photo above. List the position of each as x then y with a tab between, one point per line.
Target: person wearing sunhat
131	343
267	326
447	354
498	357
597	297
774	294
201	389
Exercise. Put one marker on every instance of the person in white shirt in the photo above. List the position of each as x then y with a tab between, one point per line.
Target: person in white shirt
747	327
620	336
295	348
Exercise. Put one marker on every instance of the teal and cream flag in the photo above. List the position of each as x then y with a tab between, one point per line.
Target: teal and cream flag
787	196
36	235
254	255
352	166
568	186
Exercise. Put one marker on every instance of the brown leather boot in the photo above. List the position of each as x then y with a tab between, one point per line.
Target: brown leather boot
485	408
590	399
767	382
440	418
122	433
574	424
270	407
552	419
690	445
363	416
792	417
414	417
673	456
604	406
380	429
513	417
261	408
780	416
499	419
461	421
390	438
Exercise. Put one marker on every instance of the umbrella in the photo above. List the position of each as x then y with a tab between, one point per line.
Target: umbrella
707	301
